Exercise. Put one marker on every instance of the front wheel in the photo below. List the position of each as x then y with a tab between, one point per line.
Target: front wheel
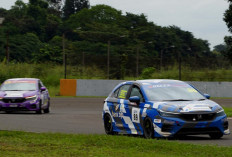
108	125
47	110
39	111
148	128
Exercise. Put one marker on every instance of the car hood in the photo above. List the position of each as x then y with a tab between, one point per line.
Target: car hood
187	106
16	94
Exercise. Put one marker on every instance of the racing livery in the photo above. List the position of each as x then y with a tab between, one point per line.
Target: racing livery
162	108
24	94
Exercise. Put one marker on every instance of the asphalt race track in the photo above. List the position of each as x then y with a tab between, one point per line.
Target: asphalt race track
83	116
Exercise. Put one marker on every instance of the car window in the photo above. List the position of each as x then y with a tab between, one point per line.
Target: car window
123	91
116	93
41	83
18	86
135	91
171	92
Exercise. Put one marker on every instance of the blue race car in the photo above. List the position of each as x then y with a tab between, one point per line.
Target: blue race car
162	108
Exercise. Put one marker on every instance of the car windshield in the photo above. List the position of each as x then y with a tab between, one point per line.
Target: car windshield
171	92
18	86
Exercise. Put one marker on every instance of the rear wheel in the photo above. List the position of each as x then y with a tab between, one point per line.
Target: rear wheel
148	128
108	125
216	135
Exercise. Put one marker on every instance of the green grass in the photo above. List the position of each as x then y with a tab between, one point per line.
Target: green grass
20	144
228	111
221	98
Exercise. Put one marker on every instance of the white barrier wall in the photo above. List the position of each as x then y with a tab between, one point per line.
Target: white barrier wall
104	87
96	87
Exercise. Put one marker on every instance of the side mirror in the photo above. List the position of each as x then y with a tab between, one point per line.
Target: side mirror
207	96
135	99
43	89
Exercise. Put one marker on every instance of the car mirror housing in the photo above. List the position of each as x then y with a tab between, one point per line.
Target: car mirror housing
207	96
43	88
135	99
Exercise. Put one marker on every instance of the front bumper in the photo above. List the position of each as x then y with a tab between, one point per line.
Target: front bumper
23	106
168	127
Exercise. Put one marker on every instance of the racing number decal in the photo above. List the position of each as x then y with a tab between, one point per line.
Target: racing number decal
135	115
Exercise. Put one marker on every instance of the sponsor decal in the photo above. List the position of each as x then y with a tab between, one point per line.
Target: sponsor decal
117	114
146	83
196	107
157	120
122	107
144	114
122	94
157	104
160	86
191	90
14	94
116	107
22	81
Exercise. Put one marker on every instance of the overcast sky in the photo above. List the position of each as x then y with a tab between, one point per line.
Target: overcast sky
204	18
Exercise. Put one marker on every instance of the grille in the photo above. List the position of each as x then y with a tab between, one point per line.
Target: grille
198	117
14	100
167	127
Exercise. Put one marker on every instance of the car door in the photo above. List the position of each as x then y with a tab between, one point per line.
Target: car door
135	110
116	106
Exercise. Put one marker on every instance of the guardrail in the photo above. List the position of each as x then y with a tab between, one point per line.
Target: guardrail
85	87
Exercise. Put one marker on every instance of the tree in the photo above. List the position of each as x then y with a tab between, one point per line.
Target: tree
74	6
55	4
220	48
55	7
100	23
228	16
228	39
22	47
52	27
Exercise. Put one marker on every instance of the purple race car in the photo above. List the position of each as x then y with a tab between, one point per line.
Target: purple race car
24	94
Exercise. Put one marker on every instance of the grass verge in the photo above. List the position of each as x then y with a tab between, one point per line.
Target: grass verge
228	111
19	144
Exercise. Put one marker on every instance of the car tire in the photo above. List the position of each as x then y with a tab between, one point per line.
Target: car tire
108	125
39	111
148	128
216	135
47	110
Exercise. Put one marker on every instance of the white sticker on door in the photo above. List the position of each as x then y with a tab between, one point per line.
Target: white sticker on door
135	115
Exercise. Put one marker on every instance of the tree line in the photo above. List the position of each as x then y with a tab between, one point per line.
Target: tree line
53	31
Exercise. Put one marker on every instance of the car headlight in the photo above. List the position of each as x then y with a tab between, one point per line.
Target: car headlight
220	112
168	114
31	98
